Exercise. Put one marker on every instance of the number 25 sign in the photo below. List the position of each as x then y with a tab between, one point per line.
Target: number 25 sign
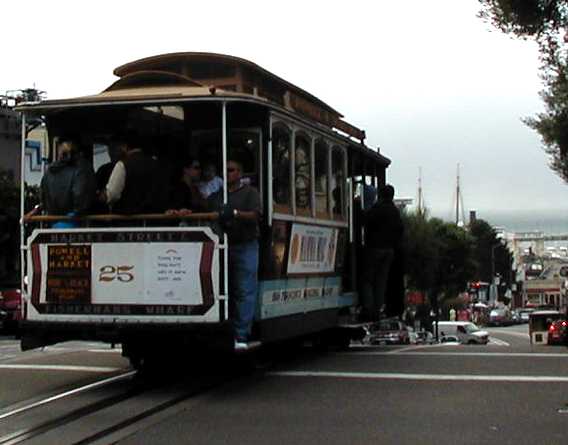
112	273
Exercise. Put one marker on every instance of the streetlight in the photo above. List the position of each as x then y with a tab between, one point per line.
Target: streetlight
492	288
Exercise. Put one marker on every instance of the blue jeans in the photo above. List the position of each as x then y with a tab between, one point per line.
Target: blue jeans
243	286
66	224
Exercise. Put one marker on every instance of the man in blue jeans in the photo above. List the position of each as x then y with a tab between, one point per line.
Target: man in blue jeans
243	233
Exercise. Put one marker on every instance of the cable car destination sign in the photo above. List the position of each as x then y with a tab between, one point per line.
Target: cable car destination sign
123	272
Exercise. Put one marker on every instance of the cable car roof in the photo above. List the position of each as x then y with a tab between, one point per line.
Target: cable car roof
196	74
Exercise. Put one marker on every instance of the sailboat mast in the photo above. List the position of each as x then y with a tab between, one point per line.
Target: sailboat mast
420	203
458	196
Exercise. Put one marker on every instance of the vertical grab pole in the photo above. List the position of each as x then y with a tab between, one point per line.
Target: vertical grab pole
313	177
329	178
224	142
293	172
270	209
225	200
22	208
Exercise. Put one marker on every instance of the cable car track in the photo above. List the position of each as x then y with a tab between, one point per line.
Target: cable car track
95	420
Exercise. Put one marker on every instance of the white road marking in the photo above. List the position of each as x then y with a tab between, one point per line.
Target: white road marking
400	350
426	377
498	342
403	353
513	333
78	348
67	393
61	368
114	351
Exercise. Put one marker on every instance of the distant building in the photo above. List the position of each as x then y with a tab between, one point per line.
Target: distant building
549	289
10	146
36	145
10	135
403	203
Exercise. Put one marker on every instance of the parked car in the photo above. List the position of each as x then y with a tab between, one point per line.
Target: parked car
10	305
424	338
500	317
558	333
390	331
525	314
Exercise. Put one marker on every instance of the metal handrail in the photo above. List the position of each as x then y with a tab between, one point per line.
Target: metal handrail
208	216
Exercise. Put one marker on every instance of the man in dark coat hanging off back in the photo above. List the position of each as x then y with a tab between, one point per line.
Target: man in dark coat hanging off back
383	232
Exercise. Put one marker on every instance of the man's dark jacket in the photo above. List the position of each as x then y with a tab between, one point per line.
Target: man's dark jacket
140	187
383	226
67	187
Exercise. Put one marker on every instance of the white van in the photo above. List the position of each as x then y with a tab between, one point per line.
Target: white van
466	331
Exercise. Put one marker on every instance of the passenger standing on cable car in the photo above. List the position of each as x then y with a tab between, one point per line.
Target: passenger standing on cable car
240	219
383	232
66	187
117	152
131	186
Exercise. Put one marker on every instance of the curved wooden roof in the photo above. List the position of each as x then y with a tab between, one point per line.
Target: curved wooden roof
212	67
231	73
151	78
197	74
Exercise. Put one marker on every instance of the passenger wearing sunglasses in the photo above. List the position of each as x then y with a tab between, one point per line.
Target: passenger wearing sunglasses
240	220
186	196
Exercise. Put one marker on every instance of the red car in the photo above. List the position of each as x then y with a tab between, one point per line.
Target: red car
10	306
558	332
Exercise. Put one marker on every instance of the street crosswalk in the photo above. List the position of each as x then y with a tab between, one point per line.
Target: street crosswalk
498	342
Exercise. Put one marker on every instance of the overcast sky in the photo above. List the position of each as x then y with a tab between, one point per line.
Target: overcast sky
426	79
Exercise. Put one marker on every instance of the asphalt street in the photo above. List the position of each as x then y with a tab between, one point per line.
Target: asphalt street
507	392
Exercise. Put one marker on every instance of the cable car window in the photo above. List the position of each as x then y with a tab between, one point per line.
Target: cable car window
338	182
302	178
322	179
281	168
244	145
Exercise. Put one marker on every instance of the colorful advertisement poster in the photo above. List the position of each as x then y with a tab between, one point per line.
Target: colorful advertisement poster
69	274
312	249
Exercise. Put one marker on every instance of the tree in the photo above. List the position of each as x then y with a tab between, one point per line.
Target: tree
422	252
456	266
439	257
9	211
9	191
490	254
10	194
546	22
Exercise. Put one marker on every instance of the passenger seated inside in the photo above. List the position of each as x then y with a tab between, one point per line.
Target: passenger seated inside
211	183
186	197
67	186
